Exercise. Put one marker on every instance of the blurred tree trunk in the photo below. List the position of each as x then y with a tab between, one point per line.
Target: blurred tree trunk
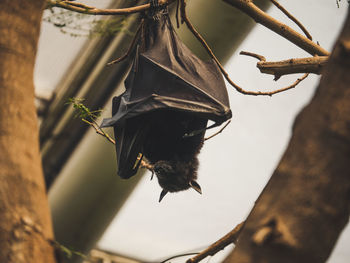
305	206
25	224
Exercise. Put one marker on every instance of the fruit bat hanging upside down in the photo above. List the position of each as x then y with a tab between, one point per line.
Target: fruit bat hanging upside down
163	114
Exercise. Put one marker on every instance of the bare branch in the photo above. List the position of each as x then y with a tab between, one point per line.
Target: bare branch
177	256
248	7
254	55
85	9
131	46
223	71
99	130
223	242
289	66
296	21
294	65
220	131
290	86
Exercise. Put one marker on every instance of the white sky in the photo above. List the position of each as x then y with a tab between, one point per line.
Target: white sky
235	165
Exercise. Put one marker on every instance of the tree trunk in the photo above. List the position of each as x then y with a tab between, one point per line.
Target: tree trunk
25	224
306	203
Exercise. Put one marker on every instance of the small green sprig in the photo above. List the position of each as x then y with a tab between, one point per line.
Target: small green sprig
84	112
68	252
83	25
88	116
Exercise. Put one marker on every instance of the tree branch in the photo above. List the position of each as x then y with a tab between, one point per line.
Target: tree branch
289	66
99	130
178	256
131	46
294	65
90	10
223	71
223	242
218	132
291	17
248	7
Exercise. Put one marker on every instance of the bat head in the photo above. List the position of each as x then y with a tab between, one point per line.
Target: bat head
175	176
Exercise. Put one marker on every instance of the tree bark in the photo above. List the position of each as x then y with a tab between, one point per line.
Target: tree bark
305	206
25	224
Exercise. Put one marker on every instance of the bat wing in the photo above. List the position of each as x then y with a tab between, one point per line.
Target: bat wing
129	135
129	140
165	75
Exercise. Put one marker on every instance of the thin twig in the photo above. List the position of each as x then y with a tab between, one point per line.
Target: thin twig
99	130
261	17
290	86
223	242
78	4
254	55
289	66
131	46
223	71
177	256
296	21
220	131
90	10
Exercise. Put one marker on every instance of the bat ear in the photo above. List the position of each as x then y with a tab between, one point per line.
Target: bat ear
162	194
195	186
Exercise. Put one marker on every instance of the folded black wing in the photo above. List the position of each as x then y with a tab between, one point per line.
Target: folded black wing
165	75
128	143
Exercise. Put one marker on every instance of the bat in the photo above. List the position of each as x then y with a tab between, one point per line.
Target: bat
170	95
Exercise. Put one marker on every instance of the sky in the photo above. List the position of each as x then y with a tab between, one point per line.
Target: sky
234	166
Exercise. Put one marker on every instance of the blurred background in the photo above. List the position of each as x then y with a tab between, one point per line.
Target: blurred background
91	206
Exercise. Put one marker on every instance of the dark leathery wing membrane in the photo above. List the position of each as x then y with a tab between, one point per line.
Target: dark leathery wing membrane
168	87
